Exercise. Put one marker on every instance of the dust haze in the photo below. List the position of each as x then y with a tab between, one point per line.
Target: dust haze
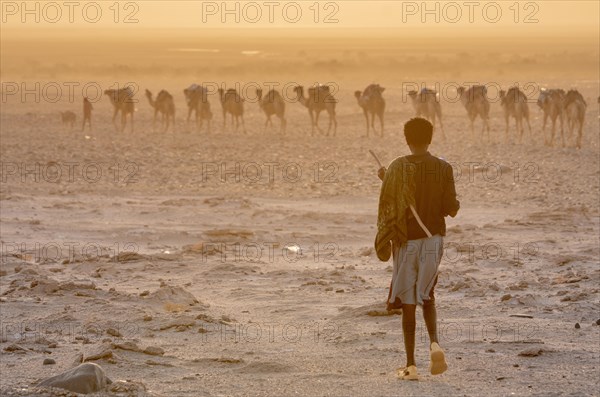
206	261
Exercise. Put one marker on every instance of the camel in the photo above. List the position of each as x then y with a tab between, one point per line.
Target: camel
475	101
319	99
232	103
551	103
122	100
272	104
371	101
68	119
426	103
514	103
87	113
165	106
196	97
574	108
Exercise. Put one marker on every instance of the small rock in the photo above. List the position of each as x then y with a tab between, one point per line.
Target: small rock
14	348
531	352
147	317
145	293
598	322
339	291
505	297
113	332
86	378
577	326
491	351
49	361
154	351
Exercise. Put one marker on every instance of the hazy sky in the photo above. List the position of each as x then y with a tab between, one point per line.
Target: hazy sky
494	17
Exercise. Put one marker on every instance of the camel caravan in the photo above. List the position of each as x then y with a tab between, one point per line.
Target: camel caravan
568	108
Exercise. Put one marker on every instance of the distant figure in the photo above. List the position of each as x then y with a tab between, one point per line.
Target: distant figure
476	103
319	98
551	102
87	113
574	108
272	104
196	98
371	101
427	104
417	193
164	105
68	119
124	102
232	103
514	103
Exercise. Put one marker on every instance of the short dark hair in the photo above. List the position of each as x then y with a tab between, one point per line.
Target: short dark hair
418	131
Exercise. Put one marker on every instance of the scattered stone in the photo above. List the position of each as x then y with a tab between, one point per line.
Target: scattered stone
145	293
338	291
521	315
577	326
365	251
154	351
598	322
49	361
104	351
152	362
147	317
491	351
127	256
127	388
14	348
173	295
77	360
505	297
226	318
52	345
130	346
178	323
113	332
531	352
85	378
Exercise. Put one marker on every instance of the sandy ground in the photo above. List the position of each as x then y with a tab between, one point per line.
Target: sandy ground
229	264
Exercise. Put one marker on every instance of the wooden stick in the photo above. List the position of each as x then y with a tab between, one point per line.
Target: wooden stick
376	159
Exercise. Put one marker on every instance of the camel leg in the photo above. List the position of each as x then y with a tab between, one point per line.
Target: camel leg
579	135
366	120
381	122
312	121
544	129
551	134
168	123
114	119
318	113
333	117
132	122
373	123
243	124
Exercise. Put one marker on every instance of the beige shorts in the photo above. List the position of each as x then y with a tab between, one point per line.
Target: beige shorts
415	272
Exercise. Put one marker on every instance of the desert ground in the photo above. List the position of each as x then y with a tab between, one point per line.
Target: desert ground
188	263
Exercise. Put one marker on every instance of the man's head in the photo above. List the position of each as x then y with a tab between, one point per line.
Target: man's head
418	133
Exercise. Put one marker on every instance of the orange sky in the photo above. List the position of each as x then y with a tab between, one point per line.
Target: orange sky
549	17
